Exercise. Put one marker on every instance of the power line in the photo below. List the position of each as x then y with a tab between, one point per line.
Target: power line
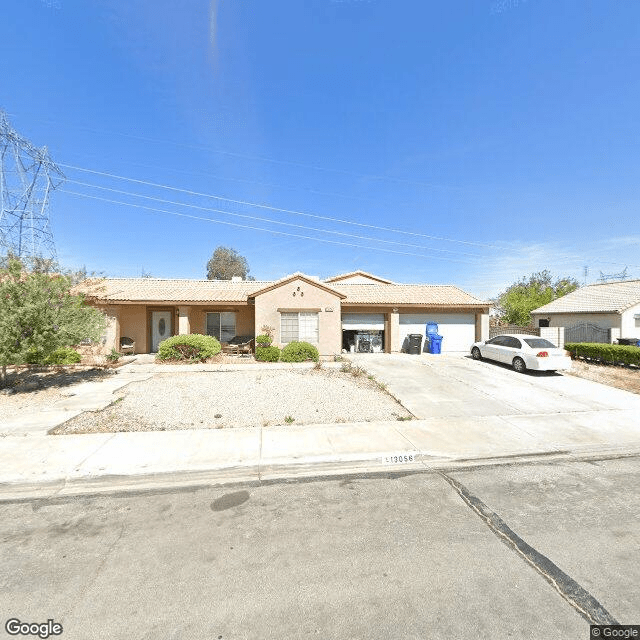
252	228
270	208
261	158
271	221
259	183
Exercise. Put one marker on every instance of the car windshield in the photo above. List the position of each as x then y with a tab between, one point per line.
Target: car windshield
538	343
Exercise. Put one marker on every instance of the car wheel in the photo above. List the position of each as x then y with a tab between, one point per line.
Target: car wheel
519	365
475	353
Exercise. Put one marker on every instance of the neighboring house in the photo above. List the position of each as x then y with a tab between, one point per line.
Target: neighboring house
594	313
353	311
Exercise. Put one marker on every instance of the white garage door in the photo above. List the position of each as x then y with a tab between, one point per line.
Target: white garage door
359	321
458	330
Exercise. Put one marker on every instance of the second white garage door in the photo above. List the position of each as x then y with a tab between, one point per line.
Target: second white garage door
458	330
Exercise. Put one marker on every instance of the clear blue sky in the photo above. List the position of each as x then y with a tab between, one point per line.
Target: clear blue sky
508	129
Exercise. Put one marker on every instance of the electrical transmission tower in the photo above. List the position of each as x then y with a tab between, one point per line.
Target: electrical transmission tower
623	275
27	176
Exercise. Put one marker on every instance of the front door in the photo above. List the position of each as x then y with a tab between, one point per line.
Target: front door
160	328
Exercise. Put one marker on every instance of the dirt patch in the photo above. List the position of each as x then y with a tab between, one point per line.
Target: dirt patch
228	399
30	390
626	378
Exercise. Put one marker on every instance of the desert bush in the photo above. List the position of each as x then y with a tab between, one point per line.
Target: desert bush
267	354
113	355
608	353
35	356
299	352
264	340
191	347
64	355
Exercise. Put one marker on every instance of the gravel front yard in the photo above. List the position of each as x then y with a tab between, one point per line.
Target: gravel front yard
216	400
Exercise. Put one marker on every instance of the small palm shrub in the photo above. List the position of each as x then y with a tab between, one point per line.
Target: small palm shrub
64	355
192	347
267	354
299	352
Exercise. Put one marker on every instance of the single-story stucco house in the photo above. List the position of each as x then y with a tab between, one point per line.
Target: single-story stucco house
600	312
353	311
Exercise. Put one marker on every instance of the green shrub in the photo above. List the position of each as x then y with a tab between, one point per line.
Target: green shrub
34	356
608	353
192	347
113	355
267	354
64	355
264	340
299	352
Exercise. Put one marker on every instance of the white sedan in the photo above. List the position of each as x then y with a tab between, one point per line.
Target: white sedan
523	352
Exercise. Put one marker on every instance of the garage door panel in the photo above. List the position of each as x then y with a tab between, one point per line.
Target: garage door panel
458	330
357	321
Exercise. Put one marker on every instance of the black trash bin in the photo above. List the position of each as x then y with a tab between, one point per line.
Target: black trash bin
415	343
630	342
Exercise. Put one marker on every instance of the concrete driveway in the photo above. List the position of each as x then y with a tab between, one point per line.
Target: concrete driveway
486	399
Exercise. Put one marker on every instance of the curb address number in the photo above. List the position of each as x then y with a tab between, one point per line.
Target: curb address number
401	458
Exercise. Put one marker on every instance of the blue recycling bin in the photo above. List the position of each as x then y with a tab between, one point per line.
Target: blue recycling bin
435	344
435	339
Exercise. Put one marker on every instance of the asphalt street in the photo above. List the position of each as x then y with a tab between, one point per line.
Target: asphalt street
422	555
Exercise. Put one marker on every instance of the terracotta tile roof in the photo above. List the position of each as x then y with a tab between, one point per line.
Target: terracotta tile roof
181	290
160	290
597	298
404	294
310	279
351	274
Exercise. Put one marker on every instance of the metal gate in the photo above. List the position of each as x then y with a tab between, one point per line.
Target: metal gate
587	332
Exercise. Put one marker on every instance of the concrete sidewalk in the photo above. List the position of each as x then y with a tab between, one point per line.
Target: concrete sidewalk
77	464
471	414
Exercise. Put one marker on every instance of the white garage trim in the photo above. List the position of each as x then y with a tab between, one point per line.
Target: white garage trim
458	330
359	321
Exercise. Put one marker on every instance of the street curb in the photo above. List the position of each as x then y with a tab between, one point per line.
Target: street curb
280	472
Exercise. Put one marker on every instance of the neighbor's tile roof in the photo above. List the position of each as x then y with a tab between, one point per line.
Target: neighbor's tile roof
597	298
160	290
174	291
351	274
404	294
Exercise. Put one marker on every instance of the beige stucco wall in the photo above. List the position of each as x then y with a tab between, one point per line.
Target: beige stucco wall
133	321
244	318
554	335
125	320
133	324
603	320
482	326
112	331
630	325
308	297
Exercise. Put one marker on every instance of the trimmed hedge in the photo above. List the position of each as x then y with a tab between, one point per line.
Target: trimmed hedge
64	355
192	347
267	354
264	339
609	353
299	352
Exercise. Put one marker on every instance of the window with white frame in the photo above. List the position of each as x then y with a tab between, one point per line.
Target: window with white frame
299	326
221	325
